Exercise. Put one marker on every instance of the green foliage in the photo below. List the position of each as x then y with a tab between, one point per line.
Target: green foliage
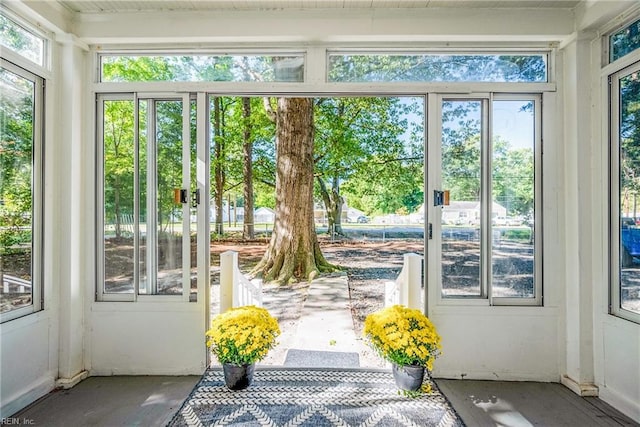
16	157
629	141
461	149
437	68
512	169
20	40
625	41
377	155
518	234
137	68
370	150
513	177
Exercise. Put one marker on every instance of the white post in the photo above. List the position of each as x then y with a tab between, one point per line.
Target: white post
228	262
413	280
390	291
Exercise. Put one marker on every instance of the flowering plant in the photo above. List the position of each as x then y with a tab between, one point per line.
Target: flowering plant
403	336
242	335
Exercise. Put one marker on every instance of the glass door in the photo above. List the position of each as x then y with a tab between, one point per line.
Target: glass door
150	198
484	187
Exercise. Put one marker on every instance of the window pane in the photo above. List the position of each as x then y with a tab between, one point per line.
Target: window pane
203	68
16	190
437	68
119	224
513	191
624	41
21	41
461	167
168	177
629	190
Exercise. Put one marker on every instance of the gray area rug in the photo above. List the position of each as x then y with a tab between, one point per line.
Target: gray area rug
281	396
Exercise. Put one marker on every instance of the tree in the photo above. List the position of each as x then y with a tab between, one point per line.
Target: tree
629	143
361	141
218	162
293	251
118	162
16	151
248	230
461	149
513	178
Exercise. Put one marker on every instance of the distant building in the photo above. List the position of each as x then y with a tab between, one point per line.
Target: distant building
466	212
264	215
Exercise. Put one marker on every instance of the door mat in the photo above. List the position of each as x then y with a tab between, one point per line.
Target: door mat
320	359
281	396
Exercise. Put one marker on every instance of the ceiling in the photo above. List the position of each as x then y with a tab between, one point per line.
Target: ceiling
122	6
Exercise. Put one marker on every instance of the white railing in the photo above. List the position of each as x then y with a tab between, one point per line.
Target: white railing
235	289
18	285
405	290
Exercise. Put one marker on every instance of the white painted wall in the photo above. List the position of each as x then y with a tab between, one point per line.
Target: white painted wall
619	379
498	343
147	338
577	218
27	360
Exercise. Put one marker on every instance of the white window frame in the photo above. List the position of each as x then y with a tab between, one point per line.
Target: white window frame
316	84
615	297
136	295
486	297
537	299
43	68
37	164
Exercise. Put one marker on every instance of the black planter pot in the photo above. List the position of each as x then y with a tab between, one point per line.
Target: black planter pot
408	377
238	377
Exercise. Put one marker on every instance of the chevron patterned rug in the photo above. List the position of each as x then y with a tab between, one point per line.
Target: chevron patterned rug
312	397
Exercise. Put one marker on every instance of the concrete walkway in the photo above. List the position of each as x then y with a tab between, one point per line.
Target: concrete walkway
324	335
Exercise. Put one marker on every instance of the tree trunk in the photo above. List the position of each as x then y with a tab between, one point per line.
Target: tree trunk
116	201
332	205
218	166
293	252
248	231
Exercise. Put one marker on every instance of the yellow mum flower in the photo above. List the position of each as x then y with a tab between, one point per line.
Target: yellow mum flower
242	335
403	336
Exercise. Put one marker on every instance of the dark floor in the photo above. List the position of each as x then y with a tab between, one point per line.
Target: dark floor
502	403
152	401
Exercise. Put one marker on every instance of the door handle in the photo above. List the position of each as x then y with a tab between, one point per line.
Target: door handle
440	198
180	196
195	198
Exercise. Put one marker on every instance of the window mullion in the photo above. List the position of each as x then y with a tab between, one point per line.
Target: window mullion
136	196
151	219
487	200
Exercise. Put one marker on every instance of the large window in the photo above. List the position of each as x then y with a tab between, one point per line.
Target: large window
148	162
20	40
489	159
625	192
624	41
490	149
202	68
449	67
20	188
